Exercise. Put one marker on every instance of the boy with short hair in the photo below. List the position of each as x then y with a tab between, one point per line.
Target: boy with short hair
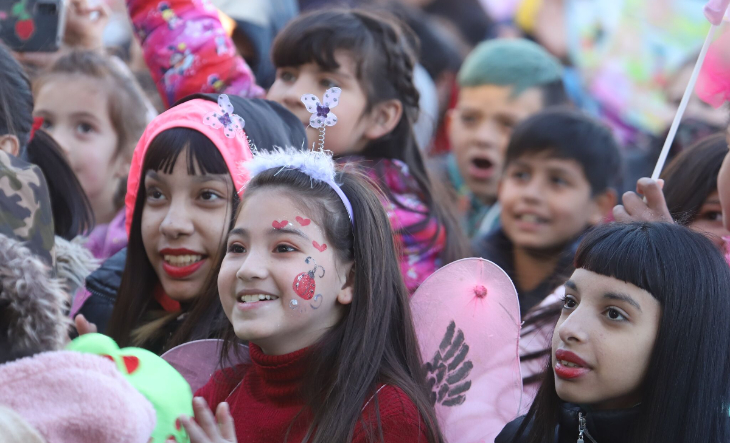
501	82
560	166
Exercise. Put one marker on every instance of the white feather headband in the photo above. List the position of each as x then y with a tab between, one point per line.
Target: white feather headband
317	164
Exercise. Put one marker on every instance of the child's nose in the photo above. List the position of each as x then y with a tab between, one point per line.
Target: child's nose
176	222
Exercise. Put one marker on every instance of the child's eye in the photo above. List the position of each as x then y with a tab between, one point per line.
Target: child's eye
615	315
210	196
468	119
154	194
236	248
287	76
559	181
285	248
46	124
84	128
712	216
327	83
569	302
521	175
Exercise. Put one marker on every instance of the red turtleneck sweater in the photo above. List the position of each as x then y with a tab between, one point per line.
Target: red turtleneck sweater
265	401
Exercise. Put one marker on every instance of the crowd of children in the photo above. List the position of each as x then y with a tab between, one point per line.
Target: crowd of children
190	252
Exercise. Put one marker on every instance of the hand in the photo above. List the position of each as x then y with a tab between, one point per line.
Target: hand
206	430
634	208
85	23
83	326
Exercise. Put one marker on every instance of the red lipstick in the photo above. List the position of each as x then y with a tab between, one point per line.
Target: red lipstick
569	372
181	272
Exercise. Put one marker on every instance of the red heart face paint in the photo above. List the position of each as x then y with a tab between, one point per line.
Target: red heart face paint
279	224
304	284
303	221
320	248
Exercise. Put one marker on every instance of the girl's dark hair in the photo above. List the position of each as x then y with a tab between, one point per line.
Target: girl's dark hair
72	214
71	209
687	384
692	176
384	52
135	306
375	341
126	102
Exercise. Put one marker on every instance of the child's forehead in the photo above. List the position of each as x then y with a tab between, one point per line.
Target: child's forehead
489	95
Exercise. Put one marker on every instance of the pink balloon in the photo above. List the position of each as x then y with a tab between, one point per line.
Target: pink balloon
715	10
467	318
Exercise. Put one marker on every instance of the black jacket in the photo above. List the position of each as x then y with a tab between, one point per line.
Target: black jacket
103	284
601	426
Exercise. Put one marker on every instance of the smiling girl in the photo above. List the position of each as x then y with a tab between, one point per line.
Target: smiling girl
371	58
182	193
310	280
639	353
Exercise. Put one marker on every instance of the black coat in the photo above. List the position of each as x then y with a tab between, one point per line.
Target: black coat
103	284
602	426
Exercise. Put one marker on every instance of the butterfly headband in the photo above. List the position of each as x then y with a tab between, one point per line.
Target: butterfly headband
317	163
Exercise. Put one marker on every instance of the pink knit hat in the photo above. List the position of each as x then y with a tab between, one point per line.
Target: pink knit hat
70	397
190	114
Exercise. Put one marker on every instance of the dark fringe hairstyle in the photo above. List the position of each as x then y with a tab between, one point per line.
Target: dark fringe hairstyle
135	305
687	385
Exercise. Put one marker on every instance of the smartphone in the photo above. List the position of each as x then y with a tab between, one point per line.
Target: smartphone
32	25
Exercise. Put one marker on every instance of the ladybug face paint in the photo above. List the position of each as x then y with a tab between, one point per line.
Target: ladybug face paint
316	301
304	284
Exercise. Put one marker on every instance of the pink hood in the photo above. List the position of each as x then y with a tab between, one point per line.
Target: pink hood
189	114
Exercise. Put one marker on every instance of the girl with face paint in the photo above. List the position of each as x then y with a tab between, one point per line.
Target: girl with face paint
639	353
310	279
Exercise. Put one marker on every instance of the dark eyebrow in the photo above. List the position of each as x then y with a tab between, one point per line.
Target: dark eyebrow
570	284
288	230
624	297
237	231
210	177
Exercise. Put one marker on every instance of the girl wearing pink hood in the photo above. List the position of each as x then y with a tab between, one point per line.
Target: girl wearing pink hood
182	192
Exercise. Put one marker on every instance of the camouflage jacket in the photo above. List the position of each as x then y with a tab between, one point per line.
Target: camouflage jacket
25	207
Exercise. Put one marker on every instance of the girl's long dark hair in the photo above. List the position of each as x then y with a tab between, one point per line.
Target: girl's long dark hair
692	176
384	51
135	303
375	341
686	388
72	214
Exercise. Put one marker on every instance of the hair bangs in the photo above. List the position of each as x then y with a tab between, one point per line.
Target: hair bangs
316	38
627	253
202	155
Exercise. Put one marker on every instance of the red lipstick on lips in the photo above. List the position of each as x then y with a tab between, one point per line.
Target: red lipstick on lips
180	272
568	372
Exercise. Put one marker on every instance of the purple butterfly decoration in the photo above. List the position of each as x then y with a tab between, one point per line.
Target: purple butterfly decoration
231	123
322	111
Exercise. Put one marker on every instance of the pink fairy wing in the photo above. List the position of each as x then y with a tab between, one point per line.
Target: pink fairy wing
332	97
310	102
225	104
467	320
211	119
197	361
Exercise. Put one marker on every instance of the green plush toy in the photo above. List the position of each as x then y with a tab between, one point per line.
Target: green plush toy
159	382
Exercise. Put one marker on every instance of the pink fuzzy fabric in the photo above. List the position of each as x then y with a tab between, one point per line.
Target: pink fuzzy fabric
72	397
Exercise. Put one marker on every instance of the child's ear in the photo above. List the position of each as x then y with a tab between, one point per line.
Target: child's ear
605	201
344	296
384	118
10	144
123	165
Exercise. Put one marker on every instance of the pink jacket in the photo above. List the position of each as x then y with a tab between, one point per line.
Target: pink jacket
188	51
